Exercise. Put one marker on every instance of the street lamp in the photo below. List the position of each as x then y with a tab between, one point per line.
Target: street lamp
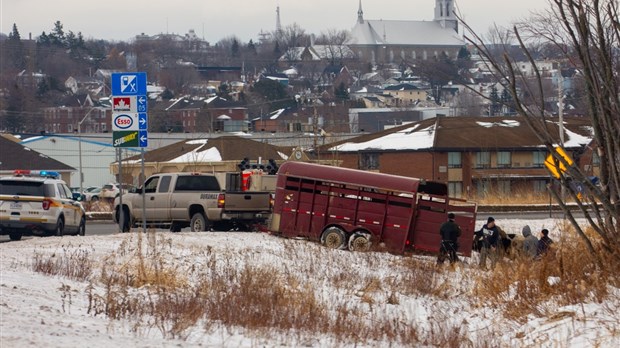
80	148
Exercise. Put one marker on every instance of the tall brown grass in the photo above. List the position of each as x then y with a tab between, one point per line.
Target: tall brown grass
568	274
308	294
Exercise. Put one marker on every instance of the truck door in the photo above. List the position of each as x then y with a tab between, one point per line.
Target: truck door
150	186
156	196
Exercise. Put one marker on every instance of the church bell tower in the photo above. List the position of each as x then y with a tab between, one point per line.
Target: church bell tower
445	14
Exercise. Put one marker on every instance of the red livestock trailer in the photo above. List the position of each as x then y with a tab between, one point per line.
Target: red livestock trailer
348	208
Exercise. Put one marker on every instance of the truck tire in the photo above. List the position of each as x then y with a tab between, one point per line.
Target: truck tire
15	235
359	242
175	227
126	223
199	223
333	238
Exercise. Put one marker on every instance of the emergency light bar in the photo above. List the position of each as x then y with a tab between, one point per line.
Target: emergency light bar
41	173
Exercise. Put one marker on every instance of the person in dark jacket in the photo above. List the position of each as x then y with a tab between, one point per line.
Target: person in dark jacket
543	244
489	238
450	231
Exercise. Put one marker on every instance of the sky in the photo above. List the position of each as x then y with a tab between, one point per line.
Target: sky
214	20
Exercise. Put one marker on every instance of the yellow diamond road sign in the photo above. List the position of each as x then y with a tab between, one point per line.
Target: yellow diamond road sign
560	168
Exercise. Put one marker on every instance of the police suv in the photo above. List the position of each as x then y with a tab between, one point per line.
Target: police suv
34	202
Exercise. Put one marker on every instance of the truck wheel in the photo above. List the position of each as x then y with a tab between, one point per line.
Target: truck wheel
126	223
175	227
199	223
15	236
333	238
359	242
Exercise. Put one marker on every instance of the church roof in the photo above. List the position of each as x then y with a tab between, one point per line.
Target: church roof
399	32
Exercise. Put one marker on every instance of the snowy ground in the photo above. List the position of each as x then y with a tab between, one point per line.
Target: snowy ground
48	311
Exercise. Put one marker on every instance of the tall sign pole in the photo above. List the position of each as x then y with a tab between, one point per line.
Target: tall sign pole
130	121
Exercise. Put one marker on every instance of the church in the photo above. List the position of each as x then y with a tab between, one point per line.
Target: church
392	41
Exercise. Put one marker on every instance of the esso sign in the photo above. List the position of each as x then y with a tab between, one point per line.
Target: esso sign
123	121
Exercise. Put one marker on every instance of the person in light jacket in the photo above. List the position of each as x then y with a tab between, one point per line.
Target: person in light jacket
530	242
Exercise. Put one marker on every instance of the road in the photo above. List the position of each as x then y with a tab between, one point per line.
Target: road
108	227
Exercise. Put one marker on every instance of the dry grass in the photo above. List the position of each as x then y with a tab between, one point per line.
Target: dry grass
69	262
567	275
307	294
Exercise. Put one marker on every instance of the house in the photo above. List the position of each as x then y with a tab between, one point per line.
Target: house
91	153
73	116
392	41
14	155
473	155
404	94
210	155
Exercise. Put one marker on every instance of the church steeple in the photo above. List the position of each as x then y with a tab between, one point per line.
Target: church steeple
445	14
360	14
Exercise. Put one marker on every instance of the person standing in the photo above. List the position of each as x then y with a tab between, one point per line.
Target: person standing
488	236
530	242
543	244
450	231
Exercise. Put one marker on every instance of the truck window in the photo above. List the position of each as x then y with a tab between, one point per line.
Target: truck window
164	186
151	185
197	183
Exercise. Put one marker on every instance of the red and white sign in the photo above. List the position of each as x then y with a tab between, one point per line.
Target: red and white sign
124	104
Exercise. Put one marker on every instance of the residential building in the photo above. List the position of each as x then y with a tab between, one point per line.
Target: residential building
474	155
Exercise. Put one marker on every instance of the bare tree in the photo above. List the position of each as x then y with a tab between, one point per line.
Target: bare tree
587	33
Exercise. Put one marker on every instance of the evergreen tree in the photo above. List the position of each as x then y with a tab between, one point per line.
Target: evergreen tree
495	106
14	49
234	48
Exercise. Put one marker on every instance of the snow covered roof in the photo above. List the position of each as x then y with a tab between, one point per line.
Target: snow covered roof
465	133
399	32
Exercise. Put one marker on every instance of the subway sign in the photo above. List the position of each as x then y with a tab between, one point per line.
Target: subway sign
125	139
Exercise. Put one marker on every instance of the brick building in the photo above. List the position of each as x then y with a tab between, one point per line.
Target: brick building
474	155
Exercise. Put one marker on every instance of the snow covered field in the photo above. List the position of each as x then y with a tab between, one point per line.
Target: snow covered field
39	310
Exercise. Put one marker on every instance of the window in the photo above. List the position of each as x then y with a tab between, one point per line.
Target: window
455	189
503	187
196	183
165	183
538	159
596	159
539	186
483	188
369	161
151	185
454	160
504	159
483	159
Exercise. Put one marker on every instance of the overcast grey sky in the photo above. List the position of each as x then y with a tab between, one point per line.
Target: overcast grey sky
122	20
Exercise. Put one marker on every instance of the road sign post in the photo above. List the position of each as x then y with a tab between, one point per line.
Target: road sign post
130	122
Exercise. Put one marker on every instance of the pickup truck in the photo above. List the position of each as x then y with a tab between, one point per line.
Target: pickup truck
194	200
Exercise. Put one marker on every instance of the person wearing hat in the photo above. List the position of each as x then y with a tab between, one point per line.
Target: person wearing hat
450	231
488	236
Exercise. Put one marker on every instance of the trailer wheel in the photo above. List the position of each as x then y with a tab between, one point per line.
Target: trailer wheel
359	242
199	223
333	238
